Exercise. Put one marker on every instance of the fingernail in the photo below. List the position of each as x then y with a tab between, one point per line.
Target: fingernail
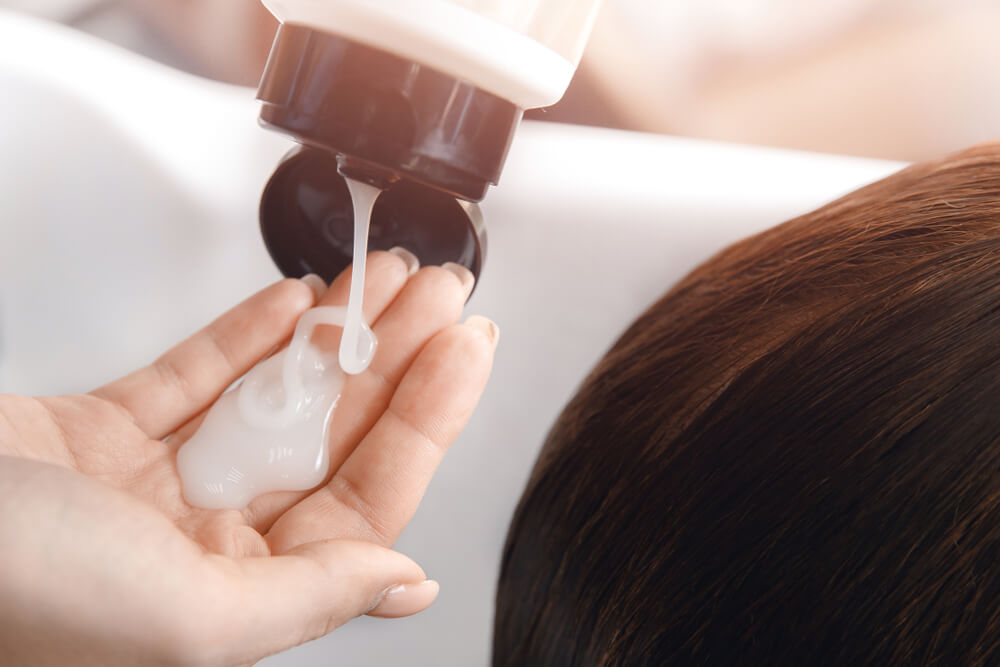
411	261
464	275
316	284
487	326
406	599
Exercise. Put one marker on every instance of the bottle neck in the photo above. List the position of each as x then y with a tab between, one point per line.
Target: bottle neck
395	117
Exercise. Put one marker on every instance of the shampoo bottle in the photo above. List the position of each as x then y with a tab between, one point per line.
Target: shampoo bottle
419	97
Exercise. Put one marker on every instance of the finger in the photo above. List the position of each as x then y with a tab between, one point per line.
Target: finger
185	380
432	300
304	594
184	432
387	273
397	264
435	299
376	491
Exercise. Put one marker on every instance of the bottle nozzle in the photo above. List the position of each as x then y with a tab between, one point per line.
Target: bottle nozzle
366	172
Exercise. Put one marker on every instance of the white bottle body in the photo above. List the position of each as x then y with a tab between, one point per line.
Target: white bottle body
525	51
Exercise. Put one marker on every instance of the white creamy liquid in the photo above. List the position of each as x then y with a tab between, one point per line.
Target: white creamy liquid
357	346
270	433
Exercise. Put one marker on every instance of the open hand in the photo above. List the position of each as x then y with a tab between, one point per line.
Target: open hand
103	562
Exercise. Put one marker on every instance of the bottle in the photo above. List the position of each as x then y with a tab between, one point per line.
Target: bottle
419	97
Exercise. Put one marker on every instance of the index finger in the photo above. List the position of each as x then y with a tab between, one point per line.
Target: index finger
191	375
376	491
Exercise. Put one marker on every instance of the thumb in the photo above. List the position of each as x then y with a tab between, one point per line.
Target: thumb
282	601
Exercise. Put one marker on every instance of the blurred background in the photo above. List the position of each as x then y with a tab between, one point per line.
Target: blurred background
897	79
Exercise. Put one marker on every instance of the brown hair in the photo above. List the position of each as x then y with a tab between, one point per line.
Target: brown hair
792	458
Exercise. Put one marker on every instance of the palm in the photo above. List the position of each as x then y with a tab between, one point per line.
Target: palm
95	437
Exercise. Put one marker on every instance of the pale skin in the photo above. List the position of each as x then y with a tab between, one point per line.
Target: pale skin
102	562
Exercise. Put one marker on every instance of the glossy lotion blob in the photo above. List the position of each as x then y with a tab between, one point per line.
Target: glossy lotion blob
270	433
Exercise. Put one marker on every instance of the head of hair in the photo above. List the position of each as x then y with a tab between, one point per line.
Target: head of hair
792	458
